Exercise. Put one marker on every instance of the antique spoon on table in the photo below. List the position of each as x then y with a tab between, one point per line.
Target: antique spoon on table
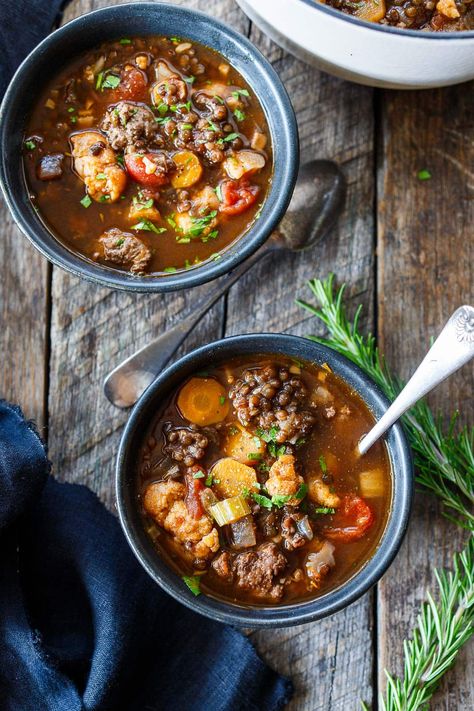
453	348
316	203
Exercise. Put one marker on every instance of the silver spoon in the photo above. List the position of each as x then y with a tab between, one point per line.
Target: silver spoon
317	201
453	348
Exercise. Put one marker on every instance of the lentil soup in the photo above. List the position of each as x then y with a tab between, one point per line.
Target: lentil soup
250	485
148	155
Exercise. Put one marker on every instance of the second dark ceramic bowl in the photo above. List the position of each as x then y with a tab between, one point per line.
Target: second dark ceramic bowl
140	19
232	613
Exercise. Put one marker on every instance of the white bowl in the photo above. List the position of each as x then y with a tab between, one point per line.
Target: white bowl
364	52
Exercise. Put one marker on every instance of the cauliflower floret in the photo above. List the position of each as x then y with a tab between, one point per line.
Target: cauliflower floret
164	501
320	493
96	164
283	479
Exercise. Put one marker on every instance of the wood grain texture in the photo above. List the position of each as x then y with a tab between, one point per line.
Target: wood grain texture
425	270
24	321
330	661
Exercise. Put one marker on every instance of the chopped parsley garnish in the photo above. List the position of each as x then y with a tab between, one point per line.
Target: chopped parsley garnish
30	145
170	270
71	110
141	204
73	119
255	456
110	82
99	80
121	160
162	121
193	582
175	40
302	491
219	99
268	435
190	79
101	176
148	226
263	467
212	125
280	500
162	108
186	127
324	510
86	201
119	242
218	191
104	198
222	400
262	500
199	225
209	480
125	40
199	475
240	92
322	464
239	115
171	221
230	137
212	235
424	174
300	442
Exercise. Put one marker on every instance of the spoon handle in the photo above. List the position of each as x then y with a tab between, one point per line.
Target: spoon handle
453	348
124	385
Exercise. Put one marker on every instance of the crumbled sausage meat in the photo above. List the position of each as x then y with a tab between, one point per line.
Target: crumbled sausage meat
125	249
131	125
186	445
259	571
272	397
284	480
164	501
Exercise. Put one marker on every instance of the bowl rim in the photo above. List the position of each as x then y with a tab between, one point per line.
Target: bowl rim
278	616
416	34
282	127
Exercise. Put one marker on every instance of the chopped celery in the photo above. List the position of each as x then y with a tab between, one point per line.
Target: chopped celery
229	510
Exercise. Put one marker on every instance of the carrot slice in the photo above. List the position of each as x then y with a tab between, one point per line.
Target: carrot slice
188	169
203	401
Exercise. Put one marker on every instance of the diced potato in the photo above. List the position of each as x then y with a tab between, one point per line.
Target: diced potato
205	200
139	212
142	61
259	141
188	169
372	483
183	221
242	445
233	477
244	162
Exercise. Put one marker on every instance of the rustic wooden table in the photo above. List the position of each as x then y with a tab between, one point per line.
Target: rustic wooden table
405	248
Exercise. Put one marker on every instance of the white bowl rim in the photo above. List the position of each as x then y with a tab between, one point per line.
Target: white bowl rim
413	34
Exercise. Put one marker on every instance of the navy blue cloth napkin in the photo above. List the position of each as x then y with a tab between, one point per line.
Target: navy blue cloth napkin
82	626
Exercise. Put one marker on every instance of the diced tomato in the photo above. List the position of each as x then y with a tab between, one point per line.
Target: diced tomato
132	87
237	196
193	491
139	171
351	521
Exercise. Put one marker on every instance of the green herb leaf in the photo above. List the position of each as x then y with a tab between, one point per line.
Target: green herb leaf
424	174
101	176
104	198
240	92
209	480
199	475
99	80
324	510
125	40
30	145
322	464
230	137
121	160
222	399
190	79
302	491
193	582
239	115
170	270
86	201
148	226
262	500
110	82
254	456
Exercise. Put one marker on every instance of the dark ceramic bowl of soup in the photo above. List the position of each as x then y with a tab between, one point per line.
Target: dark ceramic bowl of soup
240	489
147	147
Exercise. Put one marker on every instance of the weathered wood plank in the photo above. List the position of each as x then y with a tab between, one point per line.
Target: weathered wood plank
24	319
425	270
330	661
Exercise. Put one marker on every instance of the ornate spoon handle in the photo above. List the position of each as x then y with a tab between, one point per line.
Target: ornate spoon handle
453	348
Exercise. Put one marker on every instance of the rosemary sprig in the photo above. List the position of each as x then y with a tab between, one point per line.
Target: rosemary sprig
444	461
